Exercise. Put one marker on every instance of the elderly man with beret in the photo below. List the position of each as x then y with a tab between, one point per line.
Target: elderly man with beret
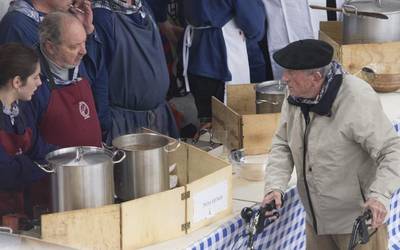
344	148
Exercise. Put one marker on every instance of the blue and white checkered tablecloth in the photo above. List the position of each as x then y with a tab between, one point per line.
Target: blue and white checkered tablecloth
288	232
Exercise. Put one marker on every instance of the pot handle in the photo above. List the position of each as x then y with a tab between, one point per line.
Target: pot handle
115	153
348	9
6	229
177	144
105	146
45	167
236	156
260	101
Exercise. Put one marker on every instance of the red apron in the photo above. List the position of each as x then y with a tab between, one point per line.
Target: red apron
71	117
22	200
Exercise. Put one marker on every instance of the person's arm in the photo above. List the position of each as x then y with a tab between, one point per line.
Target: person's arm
100	89
250	17
14	171
159	9
14	27
375	133
104	30
280	162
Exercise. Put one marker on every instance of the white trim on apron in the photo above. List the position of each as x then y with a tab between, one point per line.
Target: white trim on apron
187	43
236	51
288	21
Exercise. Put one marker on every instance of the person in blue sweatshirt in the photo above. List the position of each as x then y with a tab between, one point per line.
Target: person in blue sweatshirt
22	184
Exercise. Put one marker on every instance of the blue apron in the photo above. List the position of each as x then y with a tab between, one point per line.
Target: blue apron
139	79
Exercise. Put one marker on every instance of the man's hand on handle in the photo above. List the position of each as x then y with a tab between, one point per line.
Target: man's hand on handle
378	211
268	198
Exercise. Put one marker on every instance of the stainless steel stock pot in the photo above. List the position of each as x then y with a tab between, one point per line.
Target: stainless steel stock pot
82	177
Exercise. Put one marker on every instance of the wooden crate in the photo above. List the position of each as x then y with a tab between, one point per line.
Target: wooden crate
355	56
155	218
246	129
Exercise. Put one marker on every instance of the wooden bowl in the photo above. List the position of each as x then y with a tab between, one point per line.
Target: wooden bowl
382	77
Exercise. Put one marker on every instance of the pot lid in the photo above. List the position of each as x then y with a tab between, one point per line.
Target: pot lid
276	87
79	156
386	7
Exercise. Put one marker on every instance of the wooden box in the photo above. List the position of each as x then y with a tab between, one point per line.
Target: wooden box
246	129
355	56
203	195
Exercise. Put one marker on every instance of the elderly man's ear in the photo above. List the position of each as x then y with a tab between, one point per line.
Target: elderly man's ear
50	48
317	77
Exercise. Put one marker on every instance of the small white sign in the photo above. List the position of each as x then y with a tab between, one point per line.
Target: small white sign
210	201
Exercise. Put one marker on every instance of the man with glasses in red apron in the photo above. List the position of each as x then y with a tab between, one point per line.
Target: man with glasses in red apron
64	104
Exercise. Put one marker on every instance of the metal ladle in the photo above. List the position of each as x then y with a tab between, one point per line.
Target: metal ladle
355	12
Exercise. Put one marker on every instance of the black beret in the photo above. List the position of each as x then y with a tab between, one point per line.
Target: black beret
304	54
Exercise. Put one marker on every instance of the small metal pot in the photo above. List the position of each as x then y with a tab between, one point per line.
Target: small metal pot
82	177
362	29
145	170
270	96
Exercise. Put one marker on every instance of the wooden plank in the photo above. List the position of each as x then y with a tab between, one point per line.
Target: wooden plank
354	57
201	164
258	131
333	29
357	56
241	98
222	176
95	228
180	158
225	118
152	219
337	49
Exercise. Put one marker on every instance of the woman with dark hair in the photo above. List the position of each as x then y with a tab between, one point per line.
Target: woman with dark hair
21	182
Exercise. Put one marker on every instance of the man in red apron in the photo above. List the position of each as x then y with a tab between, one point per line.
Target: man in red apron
64	105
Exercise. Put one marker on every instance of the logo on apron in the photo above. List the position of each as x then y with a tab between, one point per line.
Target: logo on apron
84	110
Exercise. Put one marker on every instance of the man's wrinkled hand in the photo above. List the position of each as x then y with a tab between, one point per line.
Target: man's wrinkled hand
378	211
268	198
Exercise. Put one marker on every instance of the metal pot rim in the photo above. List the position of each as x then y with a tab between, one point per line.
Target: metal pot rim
118	141
391	7
71	162
269	84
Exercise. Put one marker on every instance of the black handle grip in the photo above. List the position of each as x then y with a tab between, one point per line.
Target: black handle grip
263	221
363	229
246	214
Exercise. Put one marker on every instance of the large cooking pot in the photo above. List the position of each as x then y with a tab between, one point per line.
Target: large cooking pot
270	96
82	177
145	170
362	29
